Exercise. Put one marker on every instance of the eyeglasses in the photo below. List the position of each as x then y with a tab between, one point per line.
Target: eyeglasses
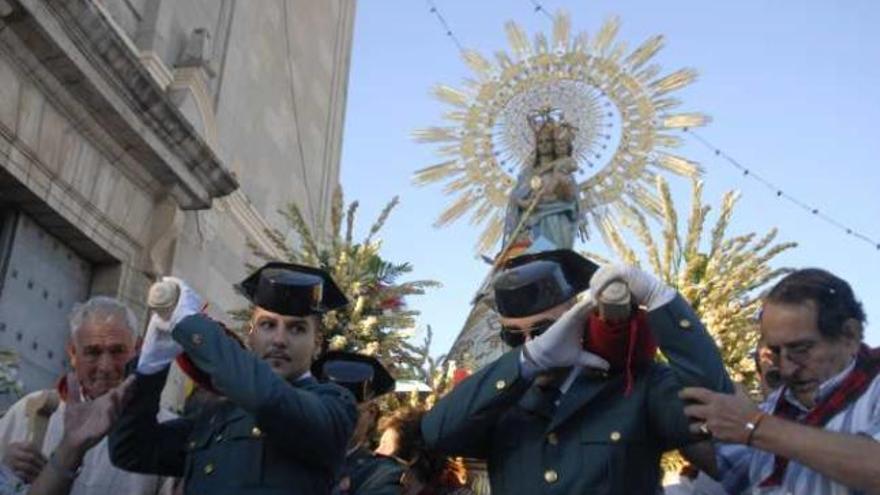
797	352
515	336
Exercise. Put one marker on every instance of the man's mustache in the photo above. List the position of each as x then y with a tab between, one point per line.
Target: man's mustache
276	354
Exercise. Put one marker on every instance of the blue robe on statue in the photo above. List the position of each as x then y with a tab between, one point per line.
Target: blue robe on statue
554	222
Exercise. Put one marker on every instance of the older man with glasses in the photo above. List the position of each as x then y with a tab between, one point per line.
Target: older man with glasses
818	433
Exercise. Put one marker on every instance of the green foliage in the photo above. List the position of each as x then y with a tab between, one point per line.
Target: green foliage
9	382
377	320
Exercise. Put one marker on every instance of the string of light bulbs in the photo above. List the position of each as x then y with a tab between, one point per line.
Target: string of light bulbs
539	9
432	8
780	192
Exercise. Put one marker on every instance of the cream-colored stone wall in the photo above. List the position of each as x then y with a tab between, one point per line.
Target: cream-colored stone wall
124	150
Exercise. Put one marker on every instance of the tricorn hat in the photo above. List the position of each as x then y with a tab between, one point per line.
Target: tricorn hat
363	375
292	290
533	283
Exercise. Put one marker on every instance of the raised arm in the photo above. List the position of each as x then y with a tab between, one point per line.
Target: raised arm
85	424
691	351
848	458
138	442
462	423
315	421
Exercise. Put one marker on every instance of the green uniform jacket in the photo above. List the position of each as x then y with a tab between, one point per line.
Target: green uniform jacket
269	437
368	473
596	441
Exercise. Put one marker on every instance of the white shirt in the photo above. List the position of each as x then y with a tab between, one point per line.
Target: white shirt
742	468
98	475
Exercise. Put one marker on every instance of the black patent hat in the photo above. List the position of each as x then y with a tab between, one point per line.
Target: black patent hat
292	290
364	376
532	283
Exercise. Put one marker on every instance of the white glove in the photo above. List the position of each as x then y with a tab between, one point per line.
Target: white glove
647	290
560	346
159	348
189	302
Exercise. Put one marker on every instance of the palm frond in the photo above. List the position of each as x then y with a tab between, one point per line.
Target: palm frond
670	230
336	214
378	320
721	283
383	217
727	204
349	222
294	217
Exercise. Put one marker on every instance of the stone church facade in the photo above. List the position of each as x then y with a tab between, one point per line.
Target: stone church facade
148	137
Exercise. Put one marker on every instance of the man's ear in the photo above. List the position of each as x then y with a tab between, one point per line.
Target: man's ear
853	333
71	354
319	336
319	345
249	336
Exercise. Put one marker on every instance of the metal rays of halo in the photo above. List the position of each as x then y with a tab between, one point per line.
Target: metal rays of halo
591	80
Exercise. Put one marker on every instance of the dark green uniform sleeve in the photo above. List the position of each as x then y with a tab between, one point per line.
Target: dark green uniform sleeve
313	425
384	479
139	443
666	410
462	422
691	351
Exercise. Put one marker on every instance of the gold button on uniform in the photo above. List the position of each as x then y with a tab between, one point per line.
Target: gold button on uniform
684	323
257	432
615	436
197	339
500	384
209	468
552	439
192	445
550	476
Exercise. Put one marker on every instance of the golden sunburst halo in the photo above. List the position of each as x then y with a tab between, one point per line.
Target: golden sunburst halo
617	100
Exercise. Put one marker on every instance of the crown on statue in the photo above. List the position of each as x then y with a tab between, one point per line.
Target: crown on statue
546	119
549	123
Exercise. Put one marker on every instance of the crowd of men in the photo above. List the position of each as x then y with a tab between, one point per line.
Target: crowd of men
607	369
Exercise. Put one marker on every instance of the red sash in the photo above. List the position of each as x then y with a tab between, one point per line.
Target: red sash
853	386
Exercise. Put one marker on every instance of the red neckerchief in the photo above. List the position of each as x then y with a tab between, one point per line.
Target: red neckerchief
853	386
626	345
61	387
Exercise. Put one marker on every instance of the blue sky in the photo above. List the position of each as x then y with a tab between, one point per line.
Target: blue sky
793	88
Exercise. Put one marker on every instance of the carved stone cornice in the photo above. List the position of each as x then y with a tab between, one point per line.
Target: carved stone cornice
253	225
157	68
79	46
193	80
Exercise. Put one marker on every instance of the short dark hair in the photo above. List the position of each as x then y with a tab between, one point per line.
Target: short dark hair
835	301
